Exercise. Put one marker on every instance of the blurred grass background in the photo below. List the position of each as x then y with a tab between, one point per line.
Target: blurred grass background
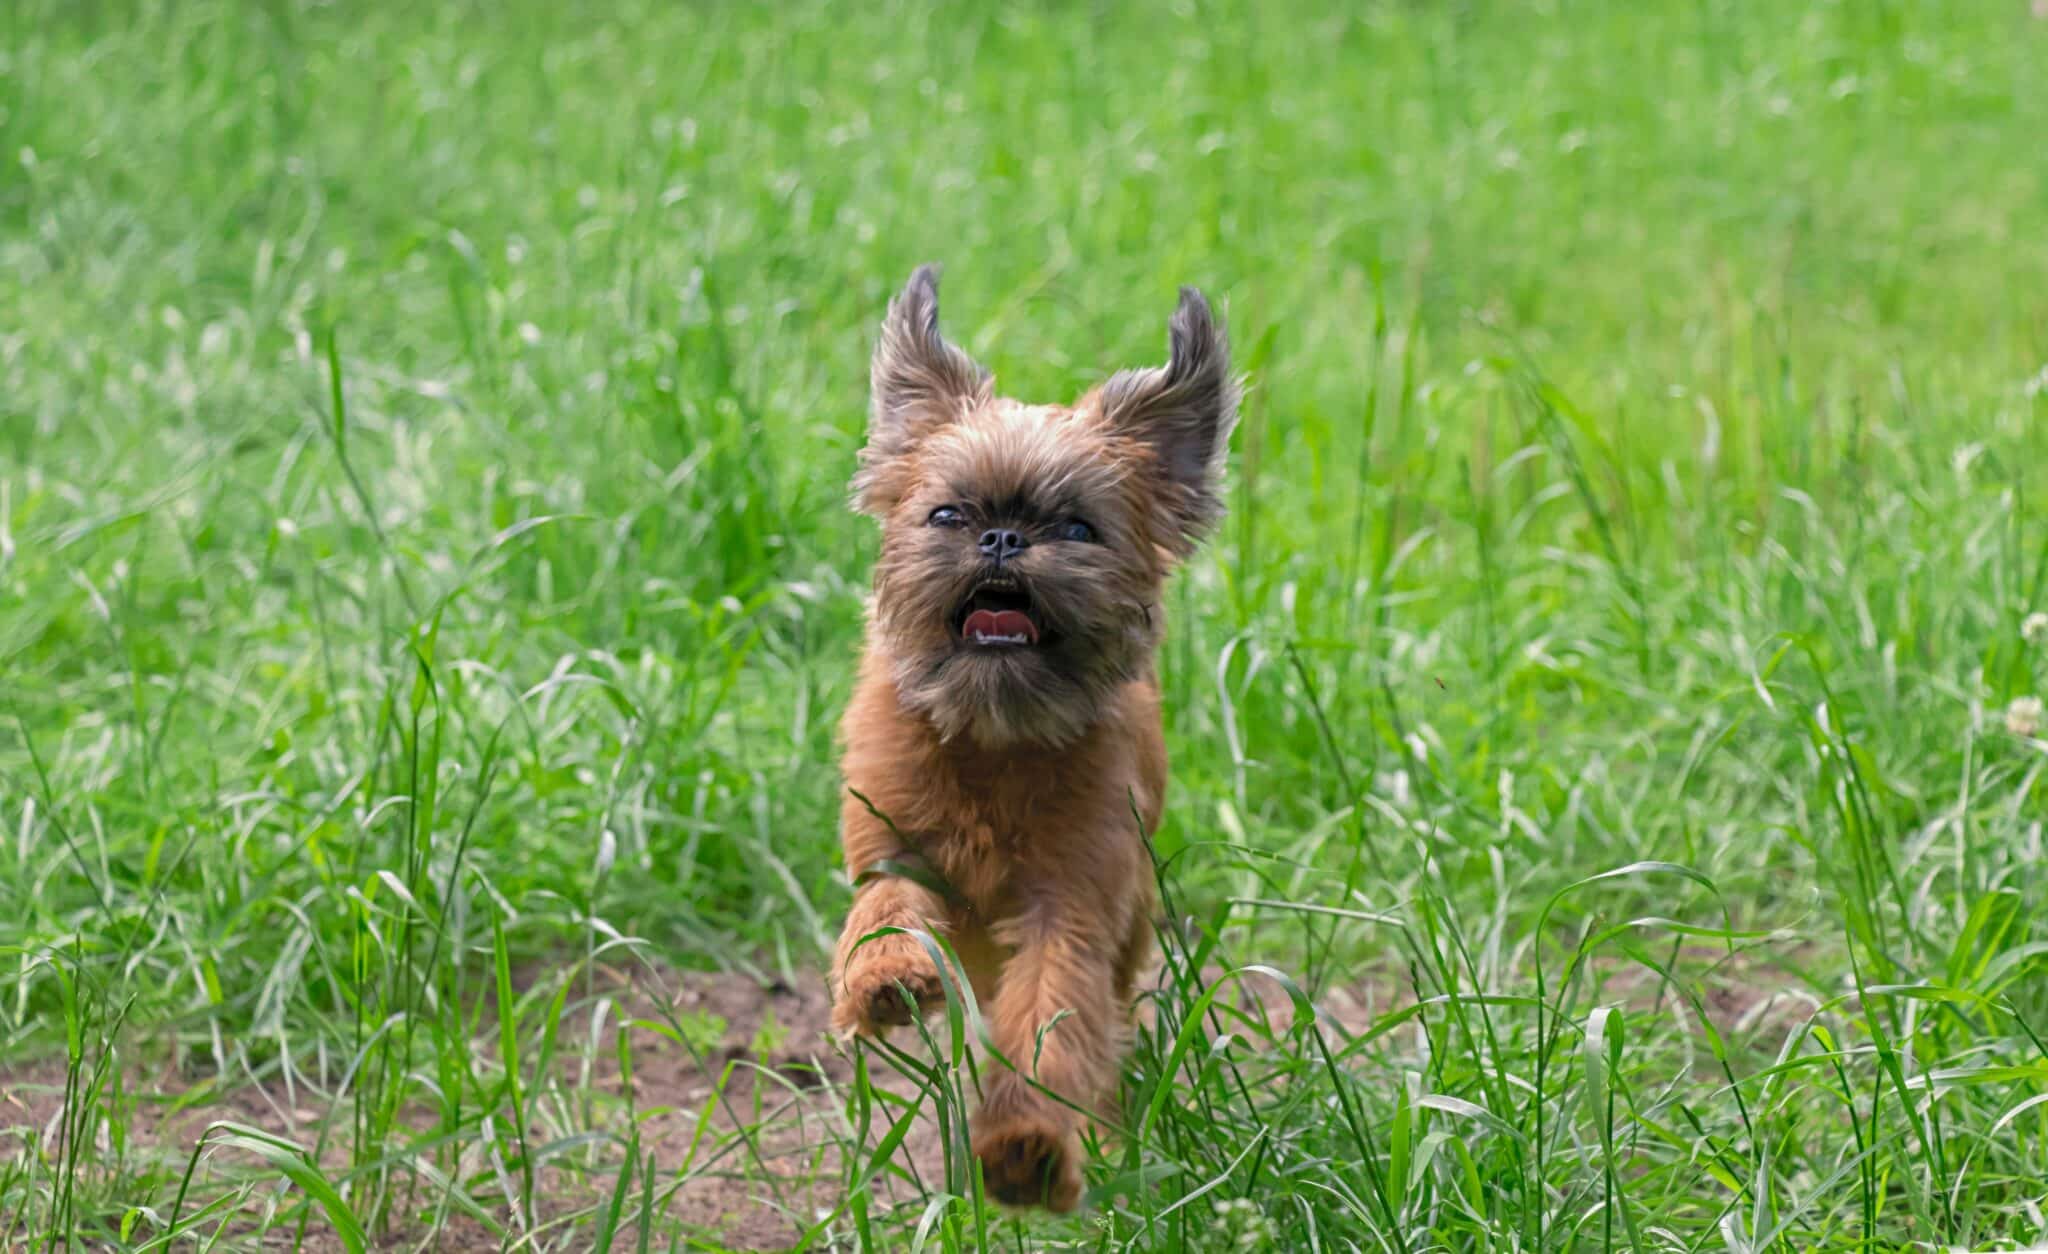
423	439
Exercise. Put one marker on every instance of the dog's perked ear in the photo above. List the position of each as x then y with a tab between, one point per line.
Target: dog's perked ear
1183	411
918	382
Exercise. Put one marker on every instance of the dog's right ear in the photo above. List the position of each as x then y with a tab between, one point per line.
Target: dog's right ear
918	383
1183	412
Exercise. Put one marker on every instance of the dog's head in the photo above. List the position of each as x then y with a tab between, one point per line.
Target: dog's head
1024	546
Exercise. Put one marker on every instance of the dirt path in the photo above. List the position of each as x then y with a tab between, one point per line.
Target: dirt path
736	1089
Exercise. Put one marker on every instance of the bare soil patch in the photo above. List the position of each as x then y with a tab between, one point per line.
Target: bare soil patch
736	1089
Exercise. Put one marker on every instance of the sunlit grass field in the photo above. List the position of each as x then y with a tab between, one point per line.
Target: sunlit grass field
1608	717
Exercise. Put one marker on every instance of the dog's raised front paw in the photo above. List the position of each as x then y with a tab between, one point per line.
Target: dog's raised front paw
1030	1161
872	993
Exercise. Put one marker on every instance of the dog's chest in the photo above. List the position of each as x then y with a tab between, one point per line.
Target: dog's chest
992	837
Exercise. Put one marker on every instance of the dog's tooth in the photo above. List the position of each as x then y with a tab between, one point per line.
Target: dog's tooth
984	638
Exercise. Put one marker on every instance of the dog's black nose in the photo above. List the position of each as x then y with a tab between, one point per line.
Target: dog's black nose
1002	545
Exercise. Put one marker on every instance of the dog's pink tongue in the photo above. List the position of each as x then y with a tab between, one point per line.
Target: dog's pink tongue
1000	623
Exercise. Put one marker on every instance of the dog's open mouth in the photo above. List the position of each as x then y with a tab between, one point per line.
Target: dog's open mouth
997	614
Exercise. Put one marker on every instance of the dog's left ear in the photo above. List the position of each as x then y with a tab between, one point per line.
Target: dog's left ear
917	383
1183	411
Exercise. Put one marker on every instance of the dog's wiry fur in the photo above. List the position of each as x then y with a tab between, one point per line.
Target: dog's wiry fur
1020	775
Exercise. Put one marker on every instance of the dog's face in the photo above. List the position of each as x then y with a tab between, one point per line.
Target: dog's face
1024	546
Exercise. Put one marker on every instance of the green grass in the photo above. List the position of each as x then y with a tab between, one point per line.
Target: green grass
425	585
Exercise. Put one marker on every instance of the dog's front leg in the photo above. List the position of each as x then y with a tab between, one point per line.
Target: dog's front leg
872	978
1055	1020
869	980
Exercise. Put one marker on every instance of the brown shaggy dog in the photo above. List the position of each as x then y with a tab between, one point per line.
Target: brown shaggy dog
1005	728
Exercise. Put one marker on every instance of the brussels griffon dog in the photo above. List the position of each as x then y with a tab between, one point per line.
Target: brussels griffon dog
1004	732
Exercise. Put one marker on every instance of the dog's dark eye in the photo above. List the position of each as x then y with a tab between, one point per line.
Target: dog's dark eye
945	516
1075	529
